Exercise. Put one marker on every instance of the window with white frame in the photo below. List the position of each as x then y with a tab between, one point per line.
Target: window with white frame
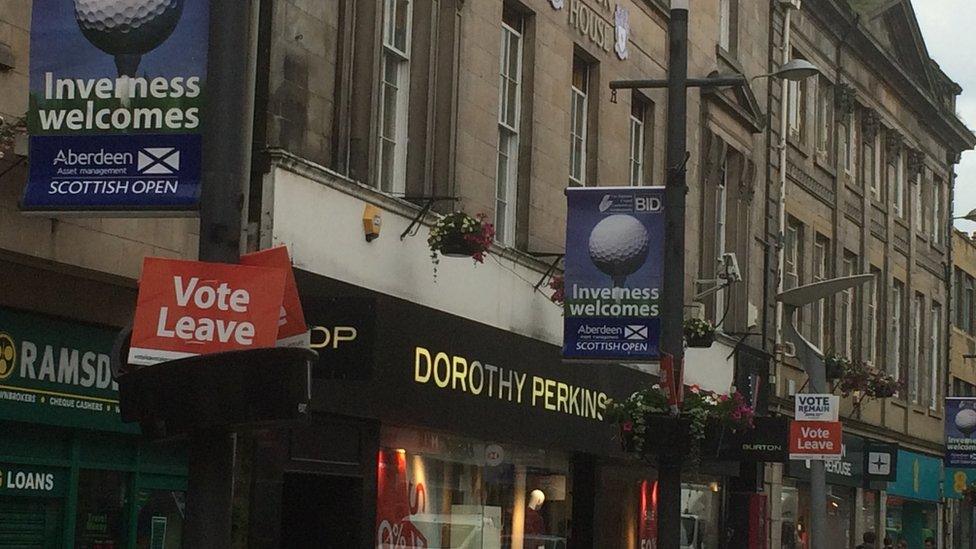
917	364
727	24
874	317
792	254
847	151
967	302
825	118
394	96
721	220
935	355
638	114
578	129
869	169
898	172
937	227
509	111
919	214
848	307
897	317
818	324
797	110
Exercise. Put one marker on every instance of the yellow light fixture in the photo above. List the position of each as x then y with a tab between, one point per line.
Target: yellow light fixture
372	222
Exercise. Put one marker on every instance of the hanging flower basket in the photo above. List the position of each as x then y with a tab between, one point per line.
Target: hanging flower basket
648	428
460	235
835	366
455	245
883	386
699	333
864	382
9	133
557	285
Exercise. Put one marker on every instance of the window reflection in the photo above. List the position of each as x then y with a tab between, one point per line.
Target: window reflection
439	491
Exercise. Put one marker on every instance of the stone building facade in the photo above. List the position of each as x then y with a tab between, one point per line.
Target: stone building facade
69	284
871	149
496	107
419	108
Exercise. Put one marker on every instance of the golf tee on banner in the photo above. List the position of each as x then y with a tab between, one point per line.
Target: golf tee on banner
188	308
292	330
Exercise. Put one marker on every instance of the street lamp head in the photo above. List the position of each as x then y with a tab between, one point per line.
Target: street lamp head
971	216
796	70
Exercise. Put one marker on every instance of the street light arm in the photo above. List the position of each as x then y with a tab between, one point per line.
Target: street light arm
711	81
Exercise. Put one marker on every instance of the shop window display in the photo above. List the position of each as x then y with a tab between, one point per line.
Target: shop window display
795	503
160	522
700	514
101	520
840	507
441	491
792	534
910	520
869	512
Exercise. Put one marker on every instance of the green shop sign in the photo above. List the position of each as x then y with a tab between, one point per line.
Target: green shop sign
57	372
21	480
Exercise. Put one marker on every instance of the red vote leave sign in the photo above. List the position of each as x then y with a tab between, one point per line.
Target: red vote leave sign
292	330
818	440
188	308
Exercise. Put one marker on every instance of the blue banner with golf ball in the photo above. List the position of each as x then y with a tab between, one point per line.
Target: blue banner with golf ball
960	432
614	272
116	93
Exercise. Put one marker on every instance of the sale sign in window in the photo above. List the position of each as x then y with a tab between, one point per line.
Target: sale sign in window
188	308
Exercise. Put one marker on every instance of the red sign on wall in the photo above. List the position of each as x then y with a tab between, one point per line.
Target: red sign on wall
647	527
673	387
292	330
818	440
188	308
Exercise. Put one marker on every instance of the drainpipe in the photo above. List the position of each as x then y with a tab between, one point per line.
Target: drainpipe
781	204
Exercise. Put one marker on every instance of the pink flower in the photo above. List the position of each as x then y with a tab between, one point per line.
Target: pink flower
627	426
695	389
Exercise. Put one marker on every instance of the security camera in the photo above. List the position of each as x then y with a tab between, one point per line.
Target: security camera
731	266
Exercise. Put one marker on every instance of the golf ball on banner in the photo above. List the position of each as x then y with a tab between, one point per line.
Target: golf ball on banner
966	421
619	245
127	27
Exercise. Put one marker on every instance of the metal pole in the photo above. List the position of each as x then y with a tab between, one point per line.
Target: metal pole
672	332
228	125
818	383
818	474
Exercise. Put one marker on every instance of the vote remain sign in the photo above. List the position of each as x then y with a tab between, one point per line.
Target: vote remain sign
188	308
816	440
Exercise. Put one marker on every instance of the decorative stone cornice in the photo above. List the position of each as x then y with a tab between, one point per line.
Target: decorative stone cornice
870	124
915	163
845	99
893	144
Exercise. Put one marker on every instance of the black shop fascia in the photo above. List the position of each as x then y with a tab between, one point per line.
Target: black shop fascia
387	359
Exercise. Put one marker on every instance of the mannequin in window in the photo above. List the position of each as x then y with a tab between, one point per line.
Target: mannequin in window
535	525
